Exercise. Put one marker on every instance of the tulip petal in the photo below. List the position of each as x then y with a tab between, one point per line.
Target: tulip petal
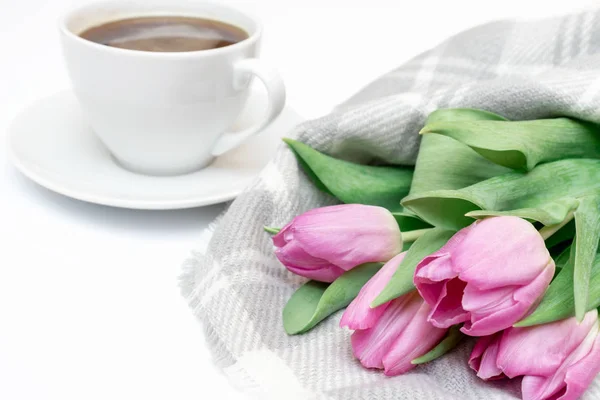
574	374
327	273
488	324
359	314
371	345
322	243
540	350
499	252
581	375
495	310
293	253
416	339
483	357
432	274
559	302
448	310
282	237
434	270
532	293
436	281
487	301
488	275
490	311
331	233
293	256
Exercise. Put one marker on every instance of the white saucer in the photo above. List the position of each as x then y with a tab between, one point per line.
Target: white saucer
51	144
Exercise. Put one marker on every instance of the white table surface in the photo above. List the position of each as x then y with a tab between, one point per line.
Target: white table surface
89	303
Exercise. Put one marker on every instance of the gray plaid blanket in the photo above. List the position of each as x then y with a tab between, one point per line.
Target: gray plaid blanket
237	288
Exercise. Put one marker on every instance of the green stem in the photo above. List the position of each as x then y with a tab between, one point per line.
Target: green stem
411	236
271	230
550	230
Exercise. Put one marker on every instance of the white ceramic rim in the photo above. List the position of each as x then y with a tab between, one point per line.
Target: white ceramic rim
122	203
250	40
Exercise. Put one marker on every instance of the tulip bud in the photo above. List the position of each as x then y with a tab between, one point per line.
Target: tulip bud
323	243
558	361
488	276
393	334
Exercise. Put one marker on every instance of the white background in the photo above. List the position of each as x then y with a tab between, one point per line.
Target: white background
89	303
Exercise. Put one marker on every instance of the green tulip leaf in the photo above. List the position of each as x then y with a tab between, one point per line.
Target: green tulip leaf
353	183
523	144
462	114
402	280
409	222
559	301
587	233
564	234
314	301
452	339
551	213
444	163
562	259
552	188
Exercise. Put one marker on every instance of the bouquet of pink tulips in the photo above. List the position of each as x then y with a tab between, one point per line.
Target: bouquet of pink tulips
493	234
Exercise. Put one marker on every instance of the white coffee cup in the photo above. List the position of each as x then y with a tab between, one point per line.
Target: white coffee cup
164	113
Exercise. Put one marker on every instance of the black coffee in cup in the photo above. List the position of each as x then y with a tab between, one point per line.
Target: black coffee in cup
165	34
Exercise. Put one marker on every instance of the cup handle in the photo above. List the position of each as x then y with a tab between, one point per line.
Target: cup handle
275	91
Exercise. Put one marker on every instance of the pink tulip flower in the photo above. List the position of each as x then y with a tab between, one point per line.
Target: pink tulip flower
558	361
488	275
393	334
323	243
